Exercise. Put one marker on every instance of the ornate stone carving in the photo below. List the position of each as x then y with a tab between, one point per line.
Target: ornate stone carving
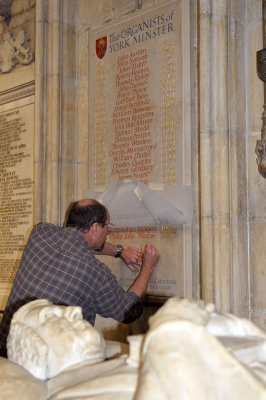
5	10
14	50
261	144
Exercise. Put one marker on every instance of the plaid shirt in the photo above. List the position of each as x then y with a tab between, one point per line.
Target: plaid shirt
57	264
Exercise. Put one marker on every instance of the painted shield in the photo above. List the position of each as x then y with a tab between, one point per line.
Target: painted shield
101	47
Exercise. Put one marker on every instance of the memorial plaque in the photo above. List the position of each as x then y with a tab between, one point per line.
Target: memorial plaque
136	124
16	186
134	100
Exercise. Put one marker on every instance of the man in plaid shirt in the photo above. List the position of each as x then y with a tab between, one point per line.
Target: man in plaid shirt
59	264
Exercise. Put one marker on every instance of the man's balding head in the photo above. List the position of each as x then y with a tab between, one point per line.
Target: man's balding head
84	213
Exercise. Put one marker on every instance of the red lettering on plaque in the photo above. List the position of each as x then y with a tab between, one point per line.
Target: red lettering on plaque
132	117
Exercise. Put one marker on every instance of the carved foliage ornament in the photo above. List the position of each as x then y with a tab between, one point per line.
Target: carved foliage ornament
261	144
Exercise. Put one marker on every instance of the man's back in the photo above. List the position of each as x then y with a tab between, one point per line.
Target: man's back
49	268
57	264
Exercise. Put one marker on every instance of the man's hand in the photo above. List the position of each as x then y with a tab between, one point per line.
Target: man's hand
149	261
150	257
130	256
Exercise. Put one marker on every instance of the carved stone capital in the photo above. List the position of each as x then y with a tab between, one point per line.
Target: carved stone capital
261	144
261	153
261	64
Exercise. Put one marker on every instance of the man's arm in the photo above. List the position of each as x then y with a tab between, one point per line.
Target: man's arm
130	255
149	261
139	287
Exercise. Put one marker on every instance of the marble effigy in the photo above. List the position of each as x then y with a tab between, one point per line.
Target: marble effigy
192	352
189	352
47	339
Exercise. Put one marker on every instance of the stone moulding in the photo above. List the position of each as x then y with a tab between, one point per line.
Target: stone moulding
17	93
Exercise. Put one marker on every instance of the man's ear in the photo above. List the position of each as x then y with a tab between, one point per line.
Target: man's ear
95	228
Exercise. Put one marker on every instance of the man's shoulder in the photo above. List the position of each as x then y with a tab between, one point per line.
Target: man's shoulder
45	228
46	225
58	239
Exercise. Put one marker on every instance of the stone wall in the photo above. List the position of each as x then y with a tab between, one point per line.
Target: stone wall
223	248
17	101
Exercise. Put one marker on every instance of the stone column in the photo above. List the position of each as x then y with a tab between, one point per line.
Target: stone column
214	153
39	183
228	91
56	129
47	149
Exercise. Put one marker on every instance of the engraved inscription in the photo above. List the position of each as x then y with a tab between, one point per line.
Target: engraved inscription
100	128
16	192
132	149
168	113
